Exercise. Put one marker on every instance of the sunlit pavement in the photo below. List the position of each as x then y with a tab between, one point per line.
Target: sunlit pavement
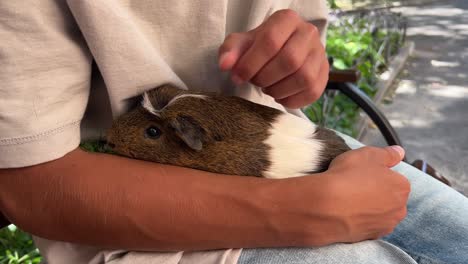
430	106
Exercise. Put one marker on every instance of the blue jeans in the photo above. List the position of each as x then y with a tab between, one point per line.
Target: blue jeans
434	231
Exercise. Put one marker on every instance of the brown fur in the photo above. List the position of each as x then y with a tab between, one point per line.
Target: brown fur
219	134
232	138
334	146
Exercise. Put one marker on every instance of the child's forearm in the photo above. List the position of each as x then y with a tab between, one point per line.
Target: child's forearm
115	202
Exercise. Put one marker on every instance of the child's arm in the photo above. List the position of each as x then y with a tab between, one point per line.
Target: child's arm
110	201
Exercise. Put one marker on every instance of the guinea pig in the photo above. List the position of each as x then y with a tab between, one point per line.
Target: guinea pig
222	134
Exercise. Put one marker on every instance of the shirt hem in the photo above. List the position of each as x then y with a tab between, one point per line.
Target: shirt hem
39	148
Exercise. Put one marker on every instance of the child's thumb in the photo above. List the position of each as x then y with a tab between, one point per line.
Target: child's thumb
233	47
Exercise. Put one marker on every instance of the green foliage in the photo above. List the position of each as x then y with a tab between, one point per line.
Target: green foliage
96	146
354	43
340	113
17	247
332	4
356	4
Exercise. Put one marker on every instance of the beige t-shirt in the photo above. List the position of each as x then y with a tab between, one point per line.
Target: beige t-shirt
67	68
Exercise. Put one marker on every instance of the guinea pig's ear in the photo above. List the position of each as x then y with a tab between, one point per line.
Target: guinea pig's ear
188	129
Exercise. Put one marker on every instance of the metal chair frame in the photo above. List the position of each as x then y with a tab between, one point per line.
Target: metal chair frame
344	81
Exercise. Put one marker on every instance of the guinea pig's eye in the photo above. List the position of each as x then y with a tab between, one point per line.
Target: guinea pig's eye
153	132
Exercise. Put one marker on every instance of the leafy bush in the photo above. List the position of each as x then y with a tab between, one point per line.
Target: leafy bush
96	146
353	4
17	247
365	43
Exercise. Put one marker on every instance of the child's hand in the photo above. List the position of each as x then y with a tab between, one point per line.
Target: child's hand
369	198
283	55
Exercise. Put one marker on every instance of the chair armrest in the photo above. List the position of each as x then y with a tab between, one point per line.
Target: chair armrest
343	76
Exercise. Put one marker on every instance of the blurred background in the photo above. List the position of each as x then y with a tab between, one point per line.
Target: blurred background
413	59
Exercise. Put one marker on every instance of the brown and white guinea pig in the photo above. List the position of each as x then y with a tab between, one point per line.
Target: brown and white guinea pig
222	134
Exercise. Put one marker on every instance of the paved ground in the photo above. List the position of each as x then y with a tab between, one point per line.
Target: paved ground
430	105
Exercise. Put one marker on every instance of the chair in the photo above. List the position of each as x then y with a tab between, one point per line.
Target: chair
344	81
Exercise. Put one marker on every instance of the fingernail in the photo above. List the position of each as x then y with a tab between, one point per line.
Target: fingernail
400	150
236	80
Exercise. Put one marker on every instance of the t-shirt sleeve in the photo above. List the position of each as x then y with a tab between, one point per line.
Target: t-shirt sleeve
45	70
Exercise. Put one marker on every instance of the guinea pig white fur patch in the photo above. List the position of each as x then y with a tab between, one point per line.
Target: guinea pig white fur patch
293	149
146	102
